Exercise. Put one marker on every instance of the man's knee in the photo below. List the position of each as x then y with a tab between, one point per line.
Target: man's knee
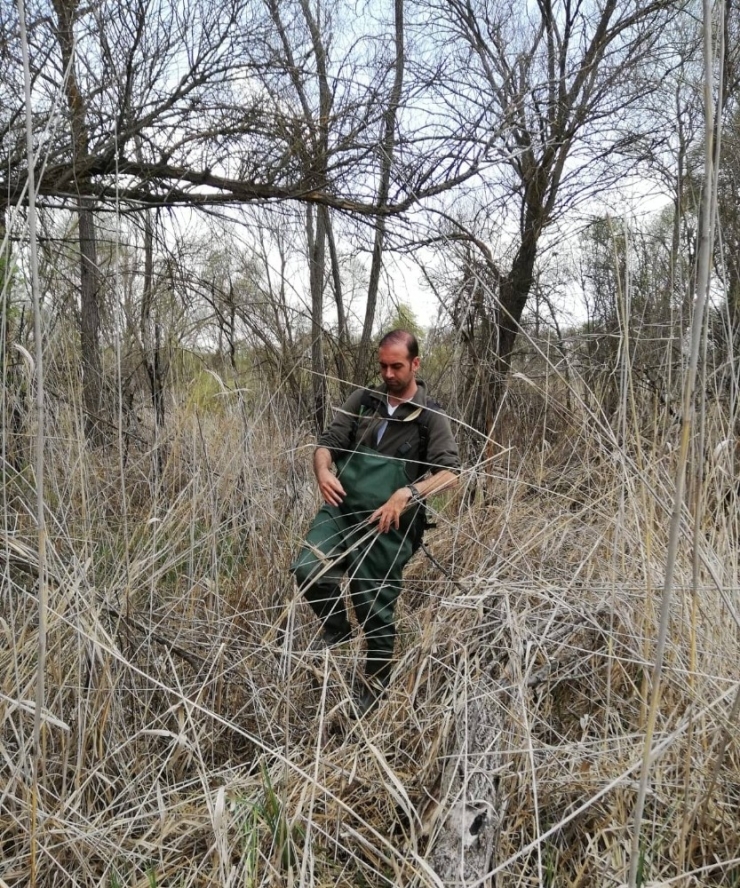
323	544
306	567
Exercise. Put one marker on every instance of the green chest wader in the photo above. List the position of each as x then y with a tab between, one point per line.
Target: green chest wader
374	568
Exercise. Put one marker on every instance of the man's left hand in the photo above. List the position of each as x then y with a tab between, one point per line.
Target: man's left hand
389	514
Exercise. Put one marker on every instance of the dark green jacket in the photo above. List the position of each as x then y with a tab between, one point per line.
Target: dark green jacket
400	439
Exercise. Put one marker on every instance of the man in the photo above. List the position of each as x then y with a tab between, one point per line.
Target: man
391	447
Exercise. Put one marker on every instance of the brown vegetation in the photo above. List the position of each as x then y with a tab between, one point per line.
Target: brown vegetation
188	741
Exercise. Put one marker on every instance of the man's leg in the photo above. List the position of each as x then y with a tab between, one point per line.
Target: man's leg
375	584
324	542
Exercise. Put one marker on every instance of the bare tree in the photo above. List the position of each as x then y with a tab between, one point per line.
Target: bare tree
66	12
563	78
387	156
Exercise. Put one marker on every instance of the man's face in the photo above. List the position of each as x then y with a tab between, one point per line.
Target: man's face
397	368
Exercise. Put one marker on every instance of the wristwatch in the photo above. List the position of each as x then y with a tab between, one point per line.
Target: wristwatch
415	495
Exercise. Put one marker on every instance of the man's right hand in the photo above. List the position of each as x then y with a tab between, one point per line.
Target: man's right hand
330	487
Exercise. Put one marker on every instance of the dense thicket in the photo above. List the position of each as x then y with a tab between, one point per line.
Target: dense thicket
233	200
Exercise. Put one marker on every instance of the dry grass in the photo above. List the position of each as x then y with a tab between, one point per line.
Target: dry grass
187	743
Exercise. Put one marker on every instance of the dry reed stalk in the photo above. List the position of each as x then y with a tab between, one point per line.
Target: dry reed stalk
38	749
697	326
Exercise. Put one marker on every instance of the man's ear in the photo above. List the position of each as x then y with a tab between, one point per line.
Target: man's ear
416	363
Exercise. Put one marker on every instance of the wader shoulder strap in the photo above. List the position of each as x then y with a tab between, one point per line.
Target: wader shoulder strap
369	404
423	423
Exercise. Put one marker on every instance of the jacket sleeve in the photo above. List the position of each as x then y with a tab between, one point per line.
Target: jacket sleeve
442	450
337	437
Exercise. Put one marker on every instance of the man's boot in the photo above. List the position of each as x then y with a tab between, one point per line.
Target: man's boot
327	604
366	695
368	691
332	635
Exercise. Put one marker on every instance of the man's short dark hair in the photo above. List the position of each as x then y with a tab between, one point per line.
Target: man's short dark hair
402	337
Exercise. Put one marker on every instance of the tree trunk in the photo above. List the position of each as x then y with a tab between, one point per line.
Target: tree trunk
316	235
467	806
318	225
496	304
342	351
386	164
470	809
90	277
151	335
513	293
90	288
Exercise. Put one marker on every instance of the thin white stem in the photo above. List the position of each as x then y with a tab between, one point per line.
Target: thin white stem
41	524
697	326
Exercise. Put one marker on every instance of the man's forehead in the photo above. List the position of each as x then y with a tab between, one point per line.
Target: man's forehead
393	354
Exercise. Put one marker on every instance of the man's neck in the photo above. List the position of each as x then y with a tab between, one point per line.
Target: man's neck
406	395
